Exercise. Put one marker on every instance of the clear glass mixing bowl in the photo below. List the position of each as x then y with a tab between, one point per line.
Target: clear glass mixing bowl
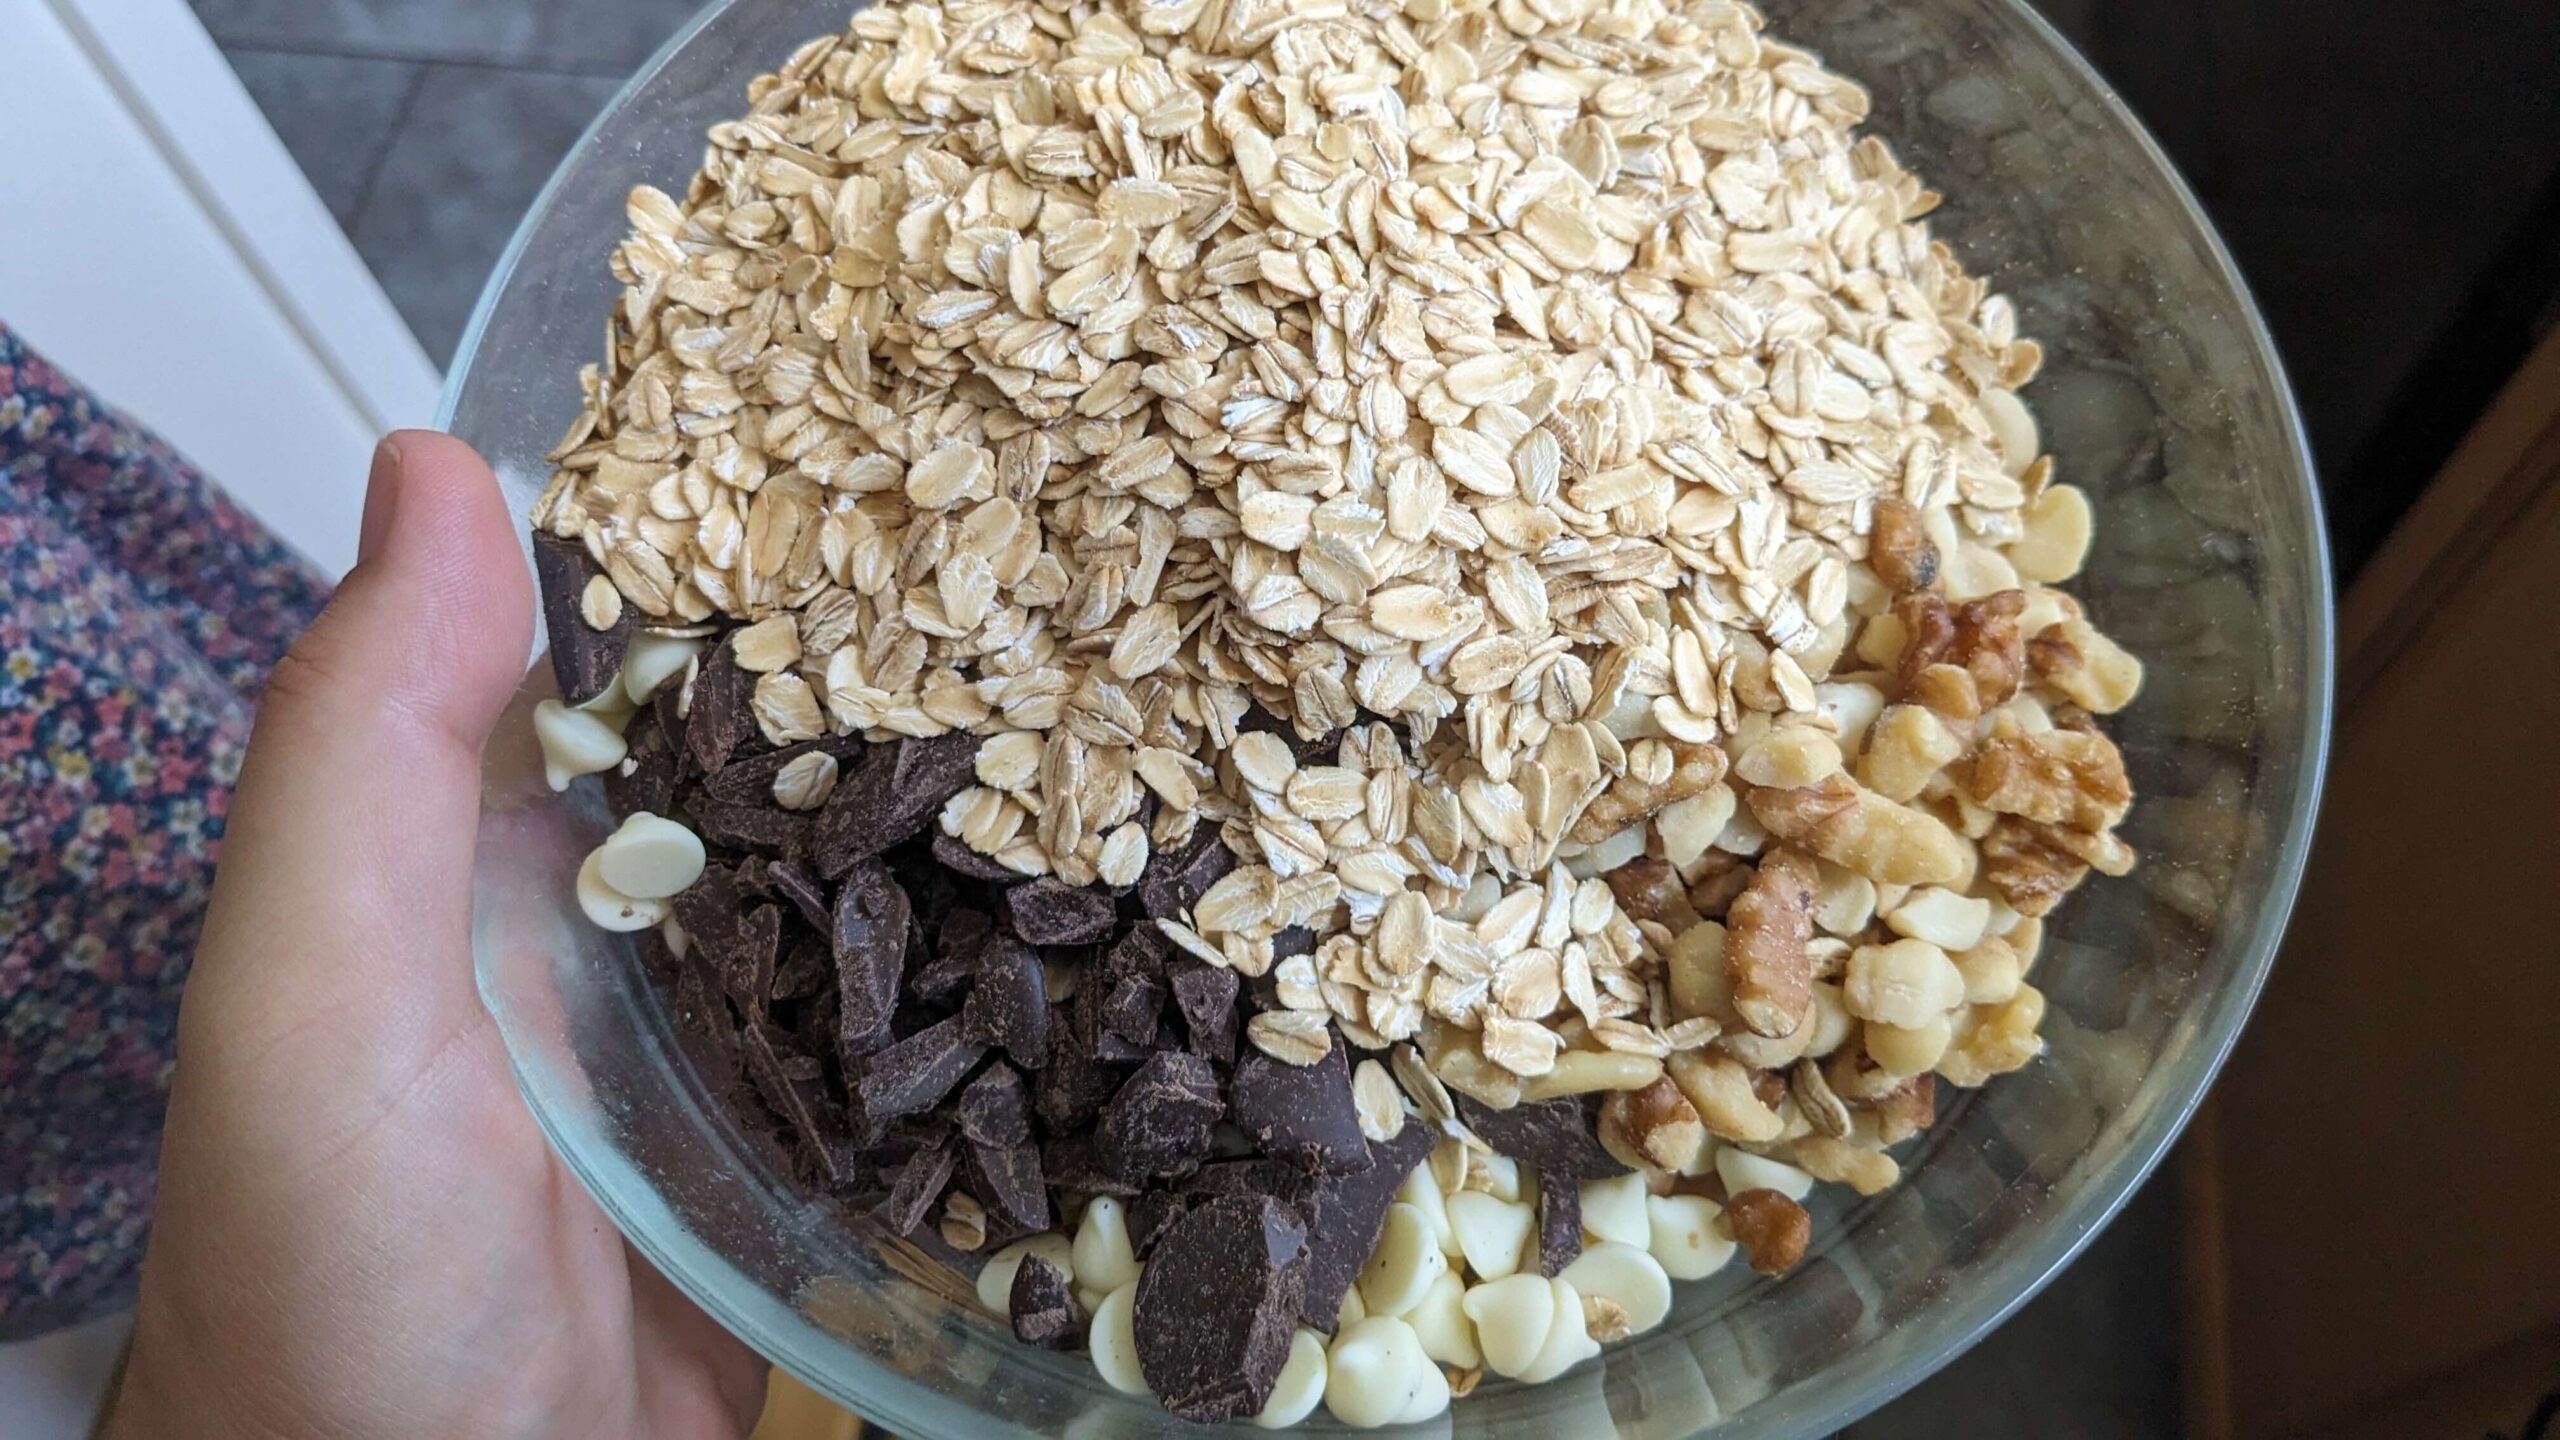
2161	396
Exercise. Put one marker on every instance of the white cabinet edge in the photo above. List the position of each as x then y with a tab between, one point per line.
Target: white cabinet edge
177	86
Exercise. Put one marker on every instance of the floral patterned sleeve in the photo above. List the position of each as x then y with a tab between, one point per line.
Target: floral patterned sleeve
139	614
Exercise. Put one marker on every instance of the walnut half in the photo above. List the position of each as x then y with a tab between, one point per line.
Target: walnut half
1768	967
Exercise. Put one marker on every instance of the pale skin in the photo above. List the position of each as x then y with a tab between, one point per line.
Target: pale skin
360	1231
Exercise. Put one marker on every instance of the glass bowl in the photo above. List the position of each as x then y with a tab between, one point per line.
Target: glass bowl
2161	395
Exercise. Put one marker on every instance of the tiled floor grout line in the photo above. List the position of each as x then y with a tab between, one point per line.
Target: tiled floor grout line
400	57
382	156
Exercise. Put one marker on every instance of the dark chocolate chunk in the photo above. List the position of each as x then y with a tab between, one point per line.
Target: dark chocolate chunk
1009	1001
788	1083
869	937
1346	1214
583	660
763	829
1129	1008
793	882
804	971
915	1073
956	856
1292	940
1075	1163
1206	995
1559	1225
1151	1215
1250	1175
1075	1083
889	797
1217	1307
942	979
1558	1136
1158	1124
650	761
1301	1112
1010	1179
750	781
745	956
921	1182
962	931
719	718
1174	880
1043	1307
994	1109
1052	912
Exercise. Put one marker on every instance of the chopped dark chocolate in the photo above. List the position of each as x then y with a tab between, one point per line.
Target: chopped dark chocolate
956	856
745	956
1321	748
583	659
918	1071
890	796
1347	1213
1010	1179
1292	940
793	882
1043	1307
789	1084
1159	1122
1130	1007
1074	1163
921	1182
1557	1136
1206	995
650	759
1152	1214
1052	912
719	717
869	938
1559	1225
763	829
962	931
994	1109
804	970
1075	1084
1303	1113
1174	880
1009	1001
1217	1307
749	781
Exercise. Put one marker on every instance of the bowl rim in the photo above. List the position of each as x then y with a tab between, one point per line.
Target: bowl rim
891	1399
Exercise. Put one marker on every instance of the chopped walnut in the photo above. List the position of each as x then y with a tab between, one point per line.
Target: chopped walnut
2023	863
1906	1109
1961	660
1649	889
1721	877
1990	645
1852	826
1771	1229
1900	550
1766	961
1695	765
1656	1125
2072	778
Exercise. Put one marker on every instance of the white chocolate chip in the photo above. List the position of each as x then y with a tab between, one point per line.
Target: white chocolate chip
1422	1192
1402	1266
1741	1170
1448	1336
1105	1260
1686	1241
610	908
1614	1210
650	857
1376	1374
995	1281
1491	1232
1300	1386
652	661
1115	1341
1495	1175
1625	1276
575	743
1353	1308
1512	1316
1568	1342
679	944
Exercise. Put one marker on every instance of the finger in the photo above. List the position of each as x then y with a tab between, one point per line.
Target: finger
346	877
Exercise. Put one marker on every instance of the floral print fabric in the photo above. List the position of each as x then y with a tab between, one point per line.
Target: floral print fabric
139	614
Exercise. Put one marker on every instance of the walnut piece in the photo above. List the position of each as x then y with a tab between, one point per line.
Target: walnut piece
1900	550
1771	1229
1695	765
2067	777
1767	966
1657	1125
1852	826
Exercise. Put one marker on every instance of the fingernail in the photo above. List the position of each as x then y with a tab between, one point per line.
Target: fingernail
381	500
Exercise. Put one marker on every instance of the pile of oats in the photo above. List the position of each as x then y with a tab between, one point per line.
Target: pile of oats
1557	401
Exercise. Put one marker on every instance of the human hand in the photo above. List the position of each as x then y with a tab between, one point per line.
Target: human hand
360	1231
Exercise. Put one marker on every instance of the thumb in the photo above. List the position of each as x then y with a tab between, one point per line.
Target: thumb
341	910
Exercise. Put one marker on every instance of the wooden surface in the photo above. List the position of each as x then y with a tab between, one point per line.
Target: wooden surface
2373	1225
